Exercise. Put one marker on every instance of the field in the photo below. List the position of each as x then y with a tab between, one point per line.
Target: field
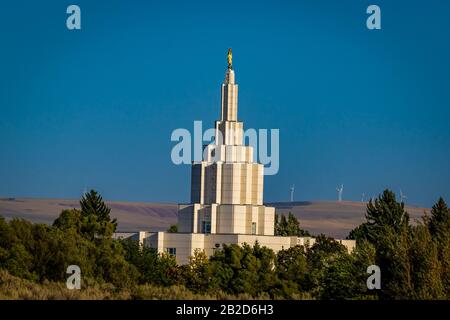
332	218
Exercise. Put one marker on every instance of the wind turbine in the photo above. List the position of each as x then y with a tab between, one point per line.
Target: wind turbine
292	192
362	197
340	191
402	196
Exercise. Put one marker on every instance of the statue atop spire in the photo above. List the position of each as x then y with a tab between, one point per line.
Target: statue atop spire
230	59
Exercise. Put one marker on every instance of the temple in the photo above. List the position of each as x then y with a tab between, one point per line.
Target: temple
226	194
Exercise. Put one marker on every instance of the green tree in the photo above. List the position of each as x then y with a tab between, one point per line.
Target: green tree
320	257
292	268
439	226
394	262
346	277
243	269
426	276
384	212
69	220
167	272
111	265
197	274
410	258
96	220
289	227
173	229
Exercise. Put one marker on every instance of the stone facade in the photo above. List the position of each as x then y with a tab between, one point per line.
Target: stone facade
226	195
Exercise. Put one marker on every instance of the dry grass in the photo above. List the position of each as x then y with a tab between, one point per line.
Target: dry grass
14	288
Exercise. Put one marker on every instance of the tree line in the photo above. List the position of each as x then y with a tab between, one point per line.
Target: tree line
413	259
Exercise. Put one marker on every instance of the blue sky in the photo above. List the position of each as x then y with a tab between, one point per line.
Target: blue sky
96	107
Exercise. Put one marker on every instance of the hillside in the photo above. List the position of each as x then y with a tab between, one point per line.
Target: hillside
332	218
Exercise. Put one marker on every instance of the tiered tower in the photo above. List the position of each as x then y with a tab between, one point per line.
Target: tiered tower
227	186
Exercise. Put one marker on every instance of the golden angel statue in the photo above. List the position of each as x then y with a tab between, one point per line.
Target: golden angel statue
230	59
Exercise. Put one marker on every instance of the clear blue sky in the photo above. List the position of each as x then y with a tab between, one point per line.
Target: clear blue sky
96	107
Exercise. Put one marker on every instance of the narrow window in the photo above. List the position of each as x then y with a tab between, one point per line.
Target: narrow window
253	227
206	227
172	251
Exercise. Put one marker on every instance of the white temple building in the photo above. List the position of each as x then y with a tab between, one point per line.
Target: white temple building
226	195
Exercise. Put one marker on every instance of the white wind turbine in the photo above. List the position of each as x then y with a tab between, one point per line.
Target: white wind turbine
362	197
402	196
292	192
340	191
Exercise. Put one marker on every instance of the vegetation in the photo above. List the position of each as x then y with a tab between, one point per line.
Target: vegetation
173	229
289	226
414	260
16	288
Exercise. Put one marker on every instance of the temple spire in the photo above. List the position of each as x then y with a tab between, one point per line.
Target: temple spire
229	92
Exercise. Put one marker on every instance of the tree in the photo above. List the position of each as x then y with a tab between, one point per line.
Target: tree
96	220
167	272
412	260
320	257
292	267
425	273
111	266
384	212
243	269
173	229
14	256
289	227
69	220
339	279
439	226
346	277
267	277
197	273
144	258
394	261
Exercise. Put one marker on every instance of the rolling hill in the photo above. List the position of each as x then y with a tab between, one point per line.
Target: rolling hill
332	218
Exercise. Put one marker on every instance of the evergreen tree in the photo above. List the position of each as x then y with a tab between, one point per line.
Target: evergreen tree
173	229
197	274
384	212
96	220
439	223
426	276
439	226
320	257
289	227
69	220
395	264
292	267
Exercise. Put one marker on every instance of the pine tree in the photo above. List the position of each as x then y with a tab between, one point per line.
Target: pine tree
385	212
425	263
439	223
289	227
96	220
439	226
